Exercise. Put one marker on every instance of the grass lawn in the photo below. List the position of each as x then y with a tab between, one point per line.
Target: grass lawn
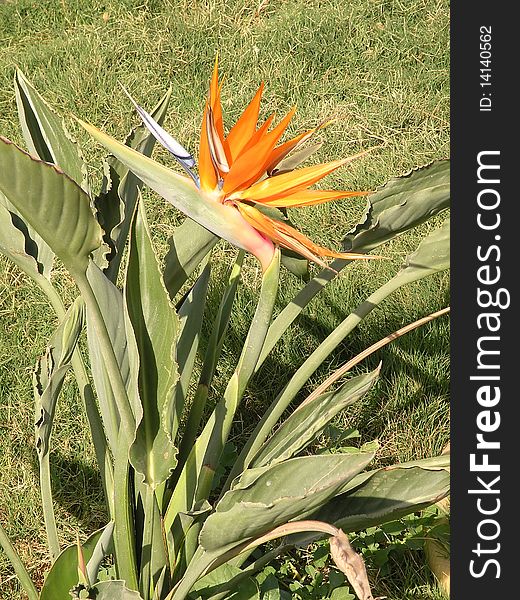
380	68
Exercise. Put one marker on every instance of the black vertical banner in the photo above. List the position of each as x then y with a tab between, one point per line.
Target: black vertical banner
485	332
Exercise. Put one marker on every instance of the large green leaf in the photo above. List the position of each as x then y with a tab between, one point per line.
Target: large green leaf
265	498
152	357
64	573
45	133
307	422
209	585
33	244
110	302
31	254
52	204
384	495
432	255
116	203
400	204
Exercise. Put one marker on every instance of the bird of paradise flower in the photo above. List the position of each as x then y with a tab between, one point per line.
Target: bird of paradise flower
238	175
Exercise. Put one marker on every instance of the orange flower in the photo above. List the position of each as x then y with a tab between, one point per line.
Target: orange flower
238	174
239	170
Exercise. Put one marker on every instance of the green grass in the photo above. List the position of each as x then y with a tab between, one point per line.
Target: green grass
381	68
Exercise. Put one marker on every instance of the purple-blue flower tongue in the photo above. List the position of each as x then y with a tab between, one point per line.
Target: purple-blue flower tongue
181	155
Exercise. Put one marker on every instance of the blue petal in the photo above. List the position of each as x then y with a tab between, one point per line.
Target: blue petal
178	152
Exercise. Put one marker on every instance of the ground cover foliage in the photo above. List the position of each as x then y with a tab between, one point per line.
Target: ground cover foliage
381	69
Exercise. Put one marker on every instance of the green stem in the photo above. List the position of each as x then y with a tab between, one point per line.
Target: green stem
18	566
48	508
282	322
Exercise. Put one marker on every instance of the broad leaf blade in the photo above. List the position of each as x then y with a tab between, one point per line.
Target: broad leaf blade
115	590
274	496
20	249
384	495
63	575
14	242
52	204
155	326
432	254
209	585
110	302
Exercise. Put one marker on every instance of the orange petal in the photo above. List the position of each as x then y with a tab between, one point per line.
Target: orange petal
293	181
259	134
286	236
214	101
245	127
289	183
309	197
207	173
251	163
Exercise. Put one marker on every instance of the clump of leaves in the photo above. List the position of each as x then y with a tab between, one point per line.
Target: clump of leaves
185	508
